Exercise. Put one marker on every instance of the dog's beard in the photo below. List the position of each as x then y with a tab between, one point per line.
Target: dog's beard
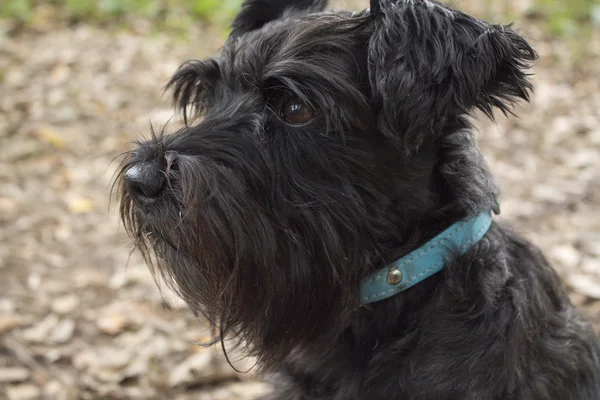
271	278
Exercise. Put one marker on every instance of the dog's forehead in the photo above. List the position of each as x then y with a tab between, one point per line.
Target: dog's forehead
286	39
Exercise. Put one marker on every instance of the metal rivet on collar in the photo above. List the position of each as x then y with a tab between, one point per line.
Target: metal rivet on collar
394	277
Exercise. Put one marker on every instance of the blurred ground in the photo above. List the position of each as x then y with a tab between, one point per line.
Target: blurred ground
81	318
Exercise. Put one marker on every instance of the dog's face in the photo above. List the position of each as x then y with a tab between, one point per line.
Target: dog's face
316	154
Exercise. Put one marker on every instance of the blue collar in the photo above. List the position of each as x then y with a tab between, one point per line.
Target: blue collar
425	261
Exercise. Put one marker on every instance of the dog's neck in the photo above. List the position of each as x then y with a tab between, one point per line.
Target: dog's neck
461	186
453	183
425	261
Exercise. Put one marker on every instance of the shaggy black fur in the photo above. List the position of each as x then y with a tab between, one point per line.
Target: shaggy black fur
268	227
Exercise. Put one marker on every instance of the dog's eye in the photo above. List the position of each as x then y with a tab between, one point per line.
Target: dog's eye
296	112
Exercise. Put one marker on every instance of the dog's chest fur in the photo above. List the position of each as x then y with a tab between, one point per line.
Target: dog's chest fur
492	346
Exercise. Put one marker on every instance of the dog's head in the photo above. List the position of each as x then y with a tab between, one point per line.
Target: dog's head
327	142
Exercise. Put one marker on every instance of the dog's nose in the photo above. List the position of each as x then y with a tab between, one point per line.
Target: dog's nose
144	181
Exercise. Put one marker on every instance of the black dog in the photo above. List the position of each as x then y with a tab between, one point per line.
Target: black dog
302	214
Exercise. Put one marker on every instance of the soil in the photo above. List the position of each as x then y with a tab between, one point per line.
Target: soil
80	315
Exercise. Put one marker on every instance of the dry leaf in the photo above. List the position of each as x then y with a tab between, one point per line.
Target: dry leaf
566	255
63	331
81	206
12	375
65	304
8	322
51	136
23	392
586	285
40	331
112	324
185	372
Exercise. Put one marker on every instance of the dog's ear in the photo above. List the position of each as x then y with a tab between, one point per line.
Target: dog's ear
192	85
256	13
428	62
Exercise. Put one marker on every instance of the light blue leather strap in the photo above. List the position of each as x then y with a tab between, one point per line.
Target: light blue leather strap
425	261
